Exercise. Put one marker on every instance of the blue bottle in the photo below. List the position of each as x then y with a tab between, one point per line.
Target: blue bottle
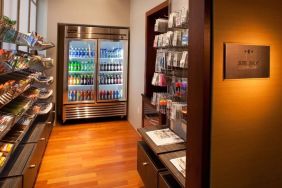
82	52
72	96
75	52
117	94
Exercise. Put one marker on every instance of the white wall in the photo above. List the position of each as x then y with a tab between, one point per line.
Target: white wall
138	9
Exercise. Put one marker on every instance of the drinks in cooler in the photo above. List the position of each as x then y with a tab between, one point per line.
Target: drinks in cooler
93	65
112	70
81	70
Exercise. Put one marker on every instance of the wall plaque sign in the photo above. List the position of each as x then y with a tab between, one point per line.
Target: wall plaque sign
246	61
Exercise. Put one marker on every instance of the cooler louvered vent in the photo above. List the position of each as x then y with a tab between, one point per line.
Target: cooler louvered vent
103	110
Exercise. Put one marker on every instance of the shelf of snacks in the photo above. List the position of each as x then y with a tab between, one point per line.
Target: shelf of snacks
11	62
24	96
6	122
45	93
43	108
41	79
18	107
21	116
10	142
12	89
10	35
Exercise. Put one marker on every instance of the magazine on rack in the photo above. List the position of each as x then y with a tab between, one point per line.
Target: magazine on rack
164	137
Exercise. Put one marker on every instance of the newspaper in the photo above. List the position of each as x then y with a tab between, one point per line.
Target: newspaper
180	164
164	137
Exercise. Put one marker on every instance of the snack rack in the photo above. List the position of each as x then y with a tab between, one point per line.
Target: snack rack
26	109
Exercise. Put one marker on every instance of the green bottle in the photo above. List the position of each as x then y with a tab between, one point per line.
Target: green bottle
79	66
75	66
69	66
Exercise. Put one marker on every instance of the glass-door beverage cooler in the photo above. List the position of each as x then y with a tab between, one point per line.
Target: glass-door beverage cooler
92	72
81	70
112	71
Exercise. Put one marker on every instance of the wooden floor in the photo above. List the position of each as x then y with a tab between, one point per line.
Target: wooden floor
100	155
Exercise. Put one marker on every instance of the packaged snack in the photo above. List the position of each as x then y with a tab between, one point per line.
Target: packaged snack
2	160
7	148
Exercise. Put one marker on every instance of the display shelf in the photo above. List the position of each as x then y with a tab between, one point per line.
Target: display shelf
151	117
19	116
11	182
81	72
165	158
46	80
159	149
171	47
5	68
148	101
110	84
173	68
15	139
10	35
40	63
111	58
17	133
80	102
45	107
25	145
45	94
80	85
111	100
105	72
7	126
176	28
18	161
9	96
23	160
41	129
82	58
18	66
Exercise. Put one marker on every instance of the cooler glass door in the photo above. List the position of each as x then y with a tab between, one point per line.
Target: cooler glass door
81	59
112	70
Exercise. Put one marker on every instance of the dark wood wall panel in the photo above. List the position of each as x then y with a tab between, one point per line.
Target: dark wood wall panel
199	94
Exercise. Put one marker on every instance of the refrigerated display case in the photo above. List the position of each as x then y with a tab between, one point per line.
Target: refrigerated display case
92	73
81	70
112	71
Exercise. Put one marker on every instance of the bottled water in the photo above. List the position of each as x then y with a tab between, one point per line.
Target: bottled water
75	52
70	51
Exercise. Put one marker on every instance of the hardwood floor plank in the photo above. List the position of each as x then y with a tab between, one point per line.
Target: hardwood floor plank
100	155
